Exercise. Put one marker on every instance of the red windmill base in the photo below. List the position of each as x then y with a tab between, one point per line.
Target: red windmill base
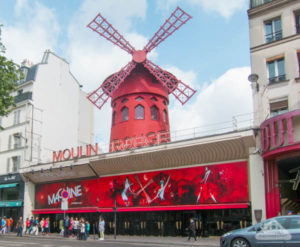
140	90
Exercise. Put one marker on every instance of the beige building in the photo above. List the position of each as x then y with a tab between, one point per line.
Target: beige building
275	57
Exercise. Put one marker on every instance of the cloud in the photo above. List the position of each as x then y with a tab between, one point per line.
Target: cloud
217	102
226	8
35	30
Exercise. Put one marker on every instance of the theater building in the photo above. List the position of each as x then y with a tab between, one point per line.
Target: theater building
155	189
275	65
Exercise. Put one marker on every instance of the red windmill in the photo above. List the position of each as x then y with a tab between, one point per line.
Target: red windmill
140	90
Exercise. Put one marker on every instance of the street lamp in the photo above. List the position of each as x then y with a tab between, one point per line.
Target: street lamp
253	78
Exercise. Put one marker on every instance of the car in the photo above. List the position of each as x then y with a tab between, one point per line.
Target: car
281	231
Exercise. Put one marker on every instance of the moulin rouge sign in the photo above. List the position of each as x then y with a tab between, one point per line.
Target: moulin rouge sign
150	138
75	153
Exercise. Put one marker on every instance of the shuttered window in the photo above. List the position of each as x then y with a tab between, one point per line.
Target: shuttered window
278	107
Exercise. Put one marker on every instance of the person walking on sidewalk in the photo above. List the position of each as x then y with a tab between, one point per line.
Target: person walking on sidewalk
192	230
9	223
20	227
101	227
35	226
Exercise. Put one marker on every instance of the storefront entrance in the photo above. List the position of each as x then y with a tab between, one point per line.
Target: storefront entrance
165	223
289	189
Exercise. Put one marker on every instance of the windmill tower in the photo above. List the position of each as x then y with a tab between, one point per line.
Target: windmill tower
139	91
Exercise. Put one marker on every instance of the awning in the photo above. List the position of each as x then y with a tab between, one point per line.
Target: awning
6	204
143	209
2	186
70	210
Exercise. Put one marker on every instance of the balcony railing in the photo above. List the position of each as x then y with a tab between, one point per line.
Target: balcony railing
274	36
255	3
280	131
277	79
23	96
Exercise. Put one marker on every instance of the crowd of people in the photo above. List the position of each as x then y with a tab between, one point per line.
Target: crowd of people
68	227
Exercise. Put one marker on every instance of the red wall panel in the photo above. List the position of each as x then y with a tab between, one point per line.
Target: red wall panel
214	184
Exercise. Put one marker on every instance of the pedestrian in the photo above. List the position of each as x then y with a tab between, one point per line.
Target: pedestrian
42	226
31	225
66	226
35	226
75	228
88	228
192	230
46	226
3	225
27	224
8	225
61	227
82	230
20	227
101	227
71	226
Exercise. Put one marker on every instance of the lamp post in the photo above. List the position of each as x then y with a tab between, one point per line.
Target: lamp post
253	78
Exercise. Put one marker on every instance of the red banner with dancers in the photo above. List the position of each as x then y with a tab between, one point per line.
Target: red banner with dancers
211	184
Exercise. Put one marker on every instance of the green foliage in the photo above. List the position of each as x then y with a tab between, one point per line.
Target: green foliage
10	73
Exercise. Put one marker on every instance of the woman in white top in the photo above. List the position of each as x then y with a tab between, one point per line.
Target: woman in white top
101	227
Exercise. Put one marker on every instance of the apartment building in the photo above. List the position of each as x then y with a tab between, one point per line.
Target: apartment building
275	64
51	113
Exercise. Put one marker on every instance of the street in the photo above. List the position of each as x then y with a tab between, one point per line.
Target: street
13	241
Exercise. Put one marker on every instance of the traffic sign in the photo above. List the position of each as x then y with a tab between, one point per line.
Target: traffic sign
65	194
64	204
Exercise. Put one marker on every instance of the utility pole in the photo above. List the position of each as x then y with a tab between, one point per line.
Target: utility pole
115	220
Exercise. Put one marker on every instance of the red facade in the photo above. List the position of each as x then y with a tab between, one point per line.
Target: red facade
224	185
146	102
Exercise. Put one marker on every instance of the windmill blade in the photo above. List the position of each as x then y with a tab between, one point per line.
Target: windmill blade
100	25
181	91
173	23
102	93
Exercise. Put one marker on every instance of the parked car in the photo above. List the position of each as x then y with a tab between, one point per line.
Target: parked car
282	231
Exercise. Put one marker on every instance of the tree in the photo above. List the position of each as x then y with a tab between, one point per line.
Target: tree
10	73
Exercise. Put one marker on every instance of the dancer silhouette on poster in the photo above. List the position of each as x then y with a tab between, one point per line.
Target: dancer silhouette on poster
161	192
127	187
204	186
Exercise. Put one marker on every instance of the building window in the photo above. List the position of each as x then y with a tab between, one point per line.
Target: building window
154	99
114	118
17	140
165	102
16	163
124	100
298	55
276	70
17	117
278	107
139	112
273	30
139	98
255	3
9	142
154	113
297	17
125	113
8	165
165	116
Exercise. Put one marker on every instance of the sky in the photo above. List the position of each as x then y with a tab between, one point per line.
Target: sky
210	52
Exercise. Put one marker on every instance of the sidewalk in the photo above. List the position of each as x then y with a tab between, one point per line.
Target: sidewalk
209	242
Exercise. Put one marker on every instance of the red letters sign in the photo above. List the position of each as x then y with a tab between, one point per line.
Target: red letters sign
80	152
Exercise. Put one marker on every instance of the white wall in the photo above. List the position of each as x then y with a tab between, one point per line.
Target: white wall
257	184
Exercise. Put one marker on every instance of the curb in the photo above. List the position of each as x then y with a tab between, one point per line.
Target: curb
181	242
